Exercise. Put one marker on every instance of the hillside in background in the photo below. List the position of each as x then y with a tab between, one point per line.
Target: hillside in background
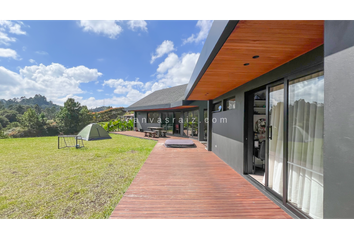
38	99
100	109
108	114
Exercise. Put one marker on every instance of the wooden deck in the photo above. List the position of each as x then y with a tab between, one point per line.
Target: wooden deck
191	183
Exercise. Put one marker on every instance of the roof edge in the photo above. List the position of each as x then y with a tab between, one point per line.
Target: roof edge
167	105
218	34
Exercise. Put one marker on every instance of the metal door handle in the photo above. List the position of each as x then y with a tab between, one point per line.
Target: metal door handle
270	132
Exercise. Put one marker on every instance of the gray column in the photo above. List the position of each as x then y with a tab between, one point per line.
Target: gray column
338	162
181	124
201	124
209	124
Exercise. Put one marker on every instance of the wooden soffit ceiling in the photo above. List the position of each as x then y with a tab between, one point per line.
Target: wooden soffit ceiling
275	42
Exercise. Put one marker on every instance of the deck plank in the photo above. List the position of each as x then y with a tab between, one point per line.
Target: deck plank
181	183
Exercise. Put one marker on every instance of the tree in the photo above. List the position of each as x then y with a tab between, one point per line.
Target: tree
85	117
69	117
20	109
37	108
4	121
11	115
30	120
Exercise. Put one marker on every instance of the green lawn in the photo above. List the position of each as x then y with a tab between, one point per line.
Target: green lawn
37	180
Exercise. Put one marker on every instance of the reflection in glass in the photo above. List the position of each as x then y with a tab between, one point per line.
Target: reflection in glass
195	123
276	132
170	122
305	144
190	124
185	124
205	125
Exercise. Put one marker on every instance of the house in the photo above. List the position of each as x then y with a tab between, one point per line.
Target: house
168	108
285	89
276	99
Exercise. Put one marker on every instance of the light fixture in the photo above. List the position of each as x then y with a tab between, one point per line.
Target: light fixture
255	56
246	64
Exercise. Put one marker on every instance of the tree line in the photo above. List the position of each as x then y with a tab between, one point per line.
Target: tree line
19	120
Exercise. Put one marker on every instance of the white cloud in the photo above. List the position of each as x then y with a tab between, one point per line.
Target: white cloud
99	90
4	39
165	47
121	101
175	70
24	48
13	27
16	29
122	86
53	81
9	27
8	53
136	24
105	27
204	26
32	61
168	63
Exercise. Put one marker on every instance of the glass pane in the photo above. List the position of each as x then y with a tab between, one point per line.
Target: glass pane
195	123
153	117
205	125
176	123
190	124
230	104
185	124
170	123
275	141
217	107
305	144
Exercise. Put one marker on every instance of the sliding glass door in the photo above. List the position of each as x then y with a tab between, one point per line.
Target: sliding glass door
275	137
305	144
190	124
167	121
295	124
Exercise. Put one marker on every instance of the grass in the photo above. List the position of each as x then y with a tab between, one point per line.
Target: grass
37	180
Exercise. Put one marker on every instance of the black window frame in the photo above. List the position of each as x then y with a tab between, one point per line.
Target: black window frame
217	103
225	103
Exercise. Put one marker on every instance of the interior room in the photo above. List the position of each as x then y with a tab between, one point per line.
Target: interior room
259	136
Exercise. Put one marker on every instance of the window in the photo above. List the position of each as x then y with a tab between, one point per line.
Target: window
230	103
217	107
153	117
305	144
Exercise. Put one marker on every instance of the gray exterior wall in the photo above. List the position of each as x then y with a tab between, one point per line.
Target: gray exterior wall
338	114
228	138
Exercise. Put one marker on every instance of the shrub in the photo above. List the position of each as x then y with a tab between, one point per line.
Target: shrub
18	132
14	124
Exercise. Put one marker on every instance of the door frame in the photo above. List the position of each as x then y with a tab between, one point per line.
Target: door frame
268	86
248	135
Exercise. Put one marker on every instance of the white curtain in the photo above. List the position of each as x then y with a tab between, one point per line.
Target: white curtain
275	173
305	144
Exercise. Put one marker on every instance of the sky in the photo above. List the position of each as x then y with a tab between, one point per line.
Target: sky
111	63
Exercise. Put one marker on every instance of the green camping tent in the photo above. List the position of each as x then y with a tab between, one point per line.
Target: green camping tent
93	131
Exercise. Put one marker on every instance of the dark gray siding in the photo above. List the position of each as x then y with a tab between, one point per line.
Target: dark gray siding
338	117
227	140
